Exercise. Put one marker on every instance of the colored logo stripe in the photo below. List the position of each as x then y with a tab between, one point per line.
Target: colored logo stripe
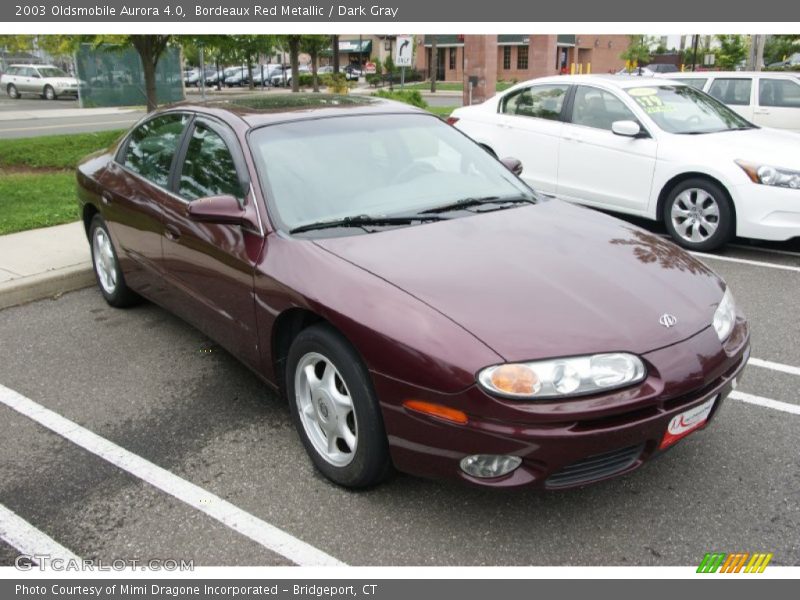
734	563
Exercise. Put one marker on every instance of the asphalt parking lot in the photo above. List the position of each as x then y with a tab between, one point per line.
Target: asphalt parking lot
146	382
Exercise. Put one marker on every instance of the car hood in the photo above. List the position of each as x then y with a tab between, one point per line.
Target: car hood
764	145
545	280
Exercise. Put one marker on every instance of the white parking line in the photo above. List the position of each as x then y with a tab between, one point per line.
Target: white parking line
766	364
765	250
28	540
198	498
766	402
744	261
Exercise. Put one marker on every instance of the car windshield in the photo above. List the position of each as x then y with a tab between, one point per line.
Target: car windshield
376	165
51	72
685	110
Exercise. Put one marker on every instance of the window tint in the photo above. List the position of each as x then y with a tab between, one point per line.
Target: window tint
597	108
208	169
152	146
732	91
696	83
542	101
779	92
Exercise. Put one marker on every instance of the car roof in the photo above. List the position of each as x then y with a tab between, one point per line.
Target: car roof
279	108
728	74
609	81
32	65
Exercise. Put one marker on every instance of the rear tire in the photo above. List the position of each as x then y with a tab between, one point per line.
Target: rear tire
698	214
335	409
49	93
13	92
107	271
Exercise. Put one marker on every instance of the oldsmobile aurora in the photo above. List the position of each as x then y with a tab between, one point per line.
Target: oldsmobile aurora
420	306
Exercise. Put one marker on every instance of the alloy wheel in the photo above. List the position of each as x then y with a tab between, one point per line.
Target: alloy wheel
695	215
326	409
104	261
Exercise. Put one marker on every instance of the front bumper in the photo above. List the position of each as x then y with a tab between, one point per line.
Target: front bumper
567	443
766	212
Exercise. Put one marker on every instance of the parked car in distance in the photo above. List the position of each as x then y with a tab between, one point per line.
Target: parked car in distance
352	72
765	98
284	77
791	61
237	76
650	70
433	314
652	148
268	72
46	81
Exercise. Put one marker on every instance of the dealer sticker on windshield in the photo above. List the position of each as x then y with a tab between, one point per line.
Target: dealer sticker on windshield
685	423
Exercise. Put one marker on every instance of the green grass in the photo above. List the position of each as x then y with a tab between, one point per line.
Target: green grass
442	111
441	86
53	151
31	200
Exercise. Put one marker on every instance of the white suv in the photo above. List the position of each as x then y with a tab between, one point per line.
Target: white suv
46	81
766	98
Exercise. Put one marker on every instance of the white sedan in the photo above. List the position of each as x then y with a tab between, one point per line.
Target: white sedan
653	148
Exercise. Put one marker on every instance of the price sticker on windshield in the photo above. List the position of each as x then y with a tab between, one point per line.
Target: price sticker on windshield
649	100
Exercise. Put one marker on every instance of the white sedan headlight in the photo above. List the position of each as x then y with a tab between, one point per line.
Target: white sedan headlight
725	316
770	175
563	377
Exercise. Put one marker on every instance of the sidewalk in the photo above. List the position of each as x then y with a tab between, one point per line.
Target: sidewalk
43	263
58	113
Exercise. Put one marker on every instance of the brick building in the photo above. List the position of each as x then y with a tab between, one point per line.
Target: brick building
521	57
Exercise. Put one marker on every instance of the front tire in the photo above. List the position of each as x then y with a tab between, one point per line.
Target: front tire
107	271
698	215
335	409
49	93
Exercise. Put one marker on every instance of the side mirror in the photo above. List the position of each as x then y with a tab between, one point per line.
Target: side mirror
512	164
626	128
223	210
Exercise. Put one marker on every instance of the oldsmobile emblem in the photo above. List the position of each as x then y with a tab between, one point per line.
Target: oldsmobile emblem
668	320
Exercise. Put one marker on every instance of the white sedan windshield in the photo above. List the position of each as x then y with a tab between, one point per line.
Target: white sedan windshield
333	168
683	109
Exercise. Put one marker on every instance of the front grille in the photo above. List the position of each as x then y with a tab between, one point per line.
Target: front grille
595	467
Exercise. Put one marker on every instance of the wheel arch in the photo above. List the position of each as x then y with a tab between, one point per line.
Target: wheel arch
89	211
286	328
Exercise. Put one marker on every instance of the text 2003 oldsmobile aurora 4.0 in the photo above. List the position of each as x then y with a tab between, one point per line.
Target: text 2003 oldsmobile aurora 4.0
418	304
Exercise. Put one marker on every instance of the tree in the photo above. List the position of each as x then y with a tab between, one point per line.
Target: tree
292	43
779	47
638	50
335	51
434	63
314	45
731	52
150	48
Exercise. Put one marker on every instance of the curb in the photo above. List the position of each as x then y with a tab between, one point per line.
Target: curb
46	285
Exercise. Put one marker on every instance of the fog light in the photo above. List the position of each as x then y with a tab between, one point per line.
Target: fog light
489	465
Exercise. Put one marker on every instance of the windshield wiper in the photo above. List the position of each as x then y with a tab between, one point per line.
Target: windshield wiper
361	220
467	202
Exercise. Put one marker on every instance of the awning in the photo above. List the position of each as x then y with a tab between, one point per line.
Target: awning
566	40
354	47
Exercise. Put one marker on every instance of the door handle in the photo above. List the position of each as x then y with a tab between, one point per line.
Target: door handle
106	198
172	233
762	111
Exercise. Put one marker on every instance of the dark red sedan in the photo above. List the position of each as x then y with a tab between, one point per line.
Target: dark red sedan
418	304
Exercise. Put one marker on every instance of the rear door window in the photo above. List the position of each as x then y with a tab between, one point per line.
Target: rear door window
779	93
539	101
734	92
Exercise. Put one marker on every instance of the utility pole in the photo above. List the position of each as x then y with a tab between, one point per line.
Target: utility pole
755	59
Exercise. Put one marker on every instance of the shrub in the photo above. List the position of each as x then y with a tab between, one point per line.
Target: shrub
412	97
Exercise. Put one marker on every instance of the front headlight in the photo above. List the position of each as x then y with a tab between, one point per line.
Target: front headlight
561	377
769	175
725	316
